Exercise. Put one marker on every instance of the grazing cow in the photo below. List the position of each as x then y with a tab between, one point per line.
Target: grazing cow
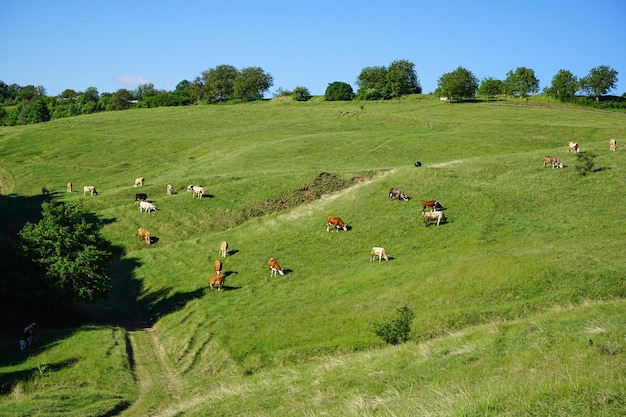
69	187
28	335
433	204
573	147
217	279
380	252
141	197
552	160
612	145
218	266
144	234
89	189
432	216
169	189
139	182
396	192
224	248
336	223
274	267
418	164
44	190
147	207
196	190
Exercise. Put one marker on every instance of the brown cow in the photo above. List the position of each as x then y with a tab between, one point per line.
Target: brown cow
432	204
69	187
217	279
224	248
552	160
336	223
274	267
612	145
218	267
144	234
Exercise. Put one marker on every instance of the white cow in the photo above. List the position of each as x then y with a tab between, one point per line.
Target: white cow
89	189
432	216
380	252
147	207
196	190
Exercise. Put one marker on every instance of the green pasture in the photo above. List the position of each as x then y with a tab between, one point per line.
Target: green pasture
518	298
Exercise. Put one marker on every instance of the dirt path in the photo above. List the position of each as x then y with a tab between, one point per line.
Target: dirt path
159	388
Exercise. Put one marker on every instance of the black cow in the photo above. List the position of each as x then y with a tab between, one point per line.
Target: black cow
141	197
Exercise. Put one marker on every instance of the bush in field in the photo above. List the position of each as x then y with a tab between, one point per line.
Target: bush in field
301	94
585	163
339	91
396	330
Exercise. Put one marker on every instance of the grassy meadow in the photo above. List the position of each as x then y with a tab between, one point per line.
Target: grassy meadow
518	298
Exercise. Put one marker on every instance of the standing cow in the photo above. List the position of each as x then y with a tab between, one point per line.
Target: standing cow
144	234
139	182
397	193
380	252
69	187
169	190
612	145
573	147
274	267
223	248
336	223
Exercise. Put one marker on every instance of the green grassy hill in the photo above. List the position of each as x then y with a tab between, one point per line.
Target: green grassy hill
519	297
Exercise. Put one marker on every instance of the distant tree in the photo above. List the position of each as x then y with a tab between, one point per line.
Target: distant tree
69	93
372	83
599	81
401	79
459	84
490	88
68	254
38	112
219	83
122	99
30	92
564	85
339	91
251	83
521	82
301	94
144	91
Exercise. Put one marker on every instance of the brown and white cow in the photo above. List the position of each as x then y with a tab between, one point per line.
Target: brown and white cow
196	190
223	248
432	204
147	207
380	252
397	193
217	265
274	267
552	160
169	190
336	223
139	182
433	216
89	189
144	234
69	187
612	145
217	279
573	147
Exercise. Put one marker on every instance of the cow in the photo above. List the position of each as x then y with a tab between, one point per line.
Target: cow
139	182
396	192
223	248
196	190
552	160
380	252
169	189
44	190
28	335
217	279
573	147
336	223
89	189
433	204
144	234
218	266
69	187
147	207
418	164
141	197
274	267
432	216
612	145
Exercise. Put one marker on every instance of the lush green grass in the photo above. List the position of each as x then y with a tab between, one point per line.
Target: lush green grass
518	298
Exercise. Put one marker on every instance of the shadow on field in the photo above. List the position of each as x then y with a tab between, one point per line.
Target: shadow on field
9	379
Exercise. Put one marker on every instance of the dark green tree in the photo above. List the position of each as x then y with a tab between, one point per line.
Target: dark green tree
490	88
521	82
401	79
599	81
218	84
459	84
68	254
251	83
372	83
339	91
564	85
122	99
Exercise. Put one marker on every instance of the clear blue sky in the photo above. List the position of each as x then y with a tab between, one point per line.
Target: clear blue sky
113	44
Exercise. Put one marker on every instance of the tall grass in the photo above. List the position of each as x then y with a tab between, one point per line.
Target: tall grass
508	293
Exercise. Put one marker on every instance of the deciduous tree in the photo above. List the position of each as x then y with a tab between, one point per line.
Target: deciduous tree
459	84
521	82
339	91
599	81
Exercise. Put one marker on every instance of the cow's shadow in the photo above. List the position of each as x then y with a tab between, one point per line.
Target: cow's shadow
208	196
232	252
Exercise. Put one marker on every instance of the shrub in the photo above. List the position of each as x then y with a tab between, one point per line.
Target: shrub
301	94
339	91
396	330
585	163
